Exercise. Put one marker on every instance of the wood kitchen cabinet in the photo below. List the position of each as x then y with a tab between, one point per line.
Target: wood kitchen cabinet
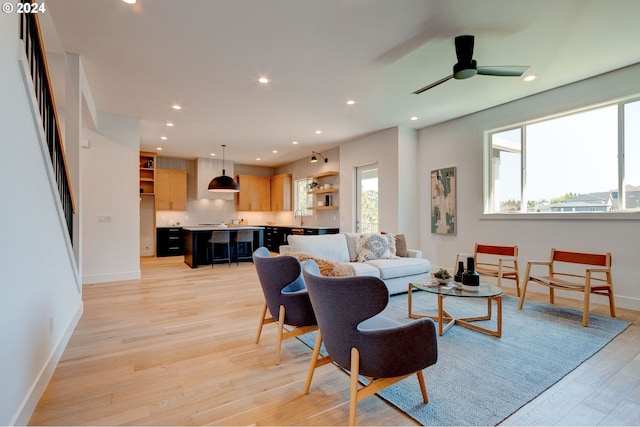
281	192
171	190
255	193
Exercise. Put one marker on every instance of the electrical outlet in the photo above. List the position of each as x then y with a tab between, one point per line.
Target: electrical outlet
105	218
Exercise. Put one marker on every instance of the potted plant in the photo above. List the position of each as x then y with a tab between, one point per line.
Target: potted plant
312	185
442	276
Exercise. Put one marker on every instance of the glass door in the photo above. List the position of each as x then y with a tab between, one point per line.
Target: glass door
367	198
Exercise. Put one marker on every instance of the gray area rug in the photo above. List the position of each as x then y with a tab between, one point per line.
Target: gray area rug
480	379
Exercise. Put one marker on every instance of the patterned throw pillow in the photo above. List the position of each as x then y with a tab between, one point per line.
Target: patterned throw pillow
371	246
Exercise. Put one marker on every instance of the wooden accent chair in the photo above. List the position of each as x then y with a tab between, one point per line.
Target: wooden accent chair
496	261
285	296
595	280
361	341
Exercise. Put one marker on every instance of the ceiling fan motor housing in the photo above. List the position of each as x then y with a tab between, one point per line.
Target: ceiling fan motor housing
464	71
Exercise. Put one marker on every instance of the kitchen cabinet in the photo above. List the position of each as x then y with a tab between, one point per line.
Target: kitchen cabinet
169	241
171	190
147	173
255	193
281	192
325	194
275	236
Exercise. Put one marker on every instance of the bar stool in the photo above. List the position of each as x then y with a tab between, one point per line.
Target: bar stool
220	238
244	237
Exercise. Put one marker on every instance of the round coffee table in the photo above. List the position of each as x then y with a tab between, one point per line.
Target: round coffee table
446	320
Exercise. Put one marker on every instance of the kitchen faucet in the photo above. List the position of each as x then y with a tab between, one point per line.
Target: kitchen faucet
301	216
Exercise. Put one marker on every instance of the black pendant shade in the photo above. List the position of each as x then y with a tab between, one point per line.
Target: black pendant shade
223	183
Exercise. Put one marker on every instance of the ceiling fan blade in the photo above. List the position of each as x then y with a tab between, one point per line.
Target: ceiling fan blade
464	49
503	71
432	85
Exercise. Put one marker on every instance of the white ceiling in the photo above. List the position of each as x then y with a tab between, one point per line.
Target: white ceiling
206	55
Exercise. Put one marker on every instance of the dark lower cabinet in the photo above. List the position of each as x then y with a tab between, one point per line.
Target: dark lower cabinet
275	236
169	241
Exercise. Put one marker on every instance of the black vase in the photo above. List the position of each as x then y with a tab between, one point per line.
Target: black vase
470	277
459	273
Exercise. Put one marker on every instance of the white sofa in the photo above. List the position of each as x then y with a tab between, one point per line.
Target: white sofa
396	272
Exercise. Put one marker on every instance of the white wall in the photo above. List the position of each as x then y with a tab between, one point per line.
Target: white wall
394	150
459	143
110	190
40	299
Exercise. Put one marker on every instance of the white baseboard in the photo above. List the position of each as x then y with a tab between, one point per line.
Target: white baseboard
40	384
88	279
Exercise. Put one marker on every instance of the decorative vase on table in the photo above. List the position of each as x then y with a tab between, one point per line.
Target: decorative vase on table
470	277
458	277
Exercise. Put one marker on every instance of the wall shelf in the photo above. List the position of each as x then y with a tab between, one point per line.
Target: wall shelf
322	208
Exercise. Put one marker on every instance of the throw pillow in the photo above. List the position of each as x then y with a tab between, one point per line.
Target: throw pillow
371	246
401	246
327	267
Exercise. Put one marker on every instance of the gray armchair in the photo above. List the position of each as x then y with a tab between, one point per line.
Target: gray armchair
285	296
360	340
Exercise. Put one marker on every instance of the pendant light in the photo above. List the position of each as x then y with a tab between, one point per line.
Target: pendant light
223	183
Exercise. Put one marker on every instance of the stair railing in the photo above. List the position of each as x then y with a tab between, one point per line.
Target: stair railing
39	70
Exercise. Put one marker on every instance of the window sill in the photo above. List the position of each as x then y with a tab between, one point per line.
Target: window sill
611	216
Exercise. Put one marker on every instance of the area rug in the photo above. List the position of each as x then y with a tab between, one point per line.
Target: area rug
480	379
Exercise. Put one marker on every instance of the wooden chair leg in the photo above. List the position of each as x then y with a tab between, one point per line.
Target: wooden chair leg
587	294
262	322
612	305
353	391
314	362
423	387
515	267
524	286
280	333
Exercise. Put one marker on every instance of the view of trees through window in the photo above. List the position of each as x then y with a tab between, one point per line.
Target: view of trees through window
568	164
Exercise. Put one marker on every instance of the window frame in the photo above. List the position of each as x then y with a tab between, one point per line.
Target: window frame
487	181
296	199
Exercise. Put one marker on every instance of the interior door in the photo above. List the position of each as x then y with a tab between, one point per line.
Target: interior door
367	199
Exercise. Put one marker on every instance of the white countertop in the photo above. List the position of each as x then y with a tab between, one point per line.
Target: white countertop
220	227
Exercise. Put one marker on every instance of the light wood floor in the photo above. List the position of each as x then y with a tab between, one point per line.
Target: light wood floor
177	348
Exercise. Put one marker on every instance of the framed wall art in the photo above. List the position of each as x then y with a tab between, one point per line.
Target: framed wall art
443	201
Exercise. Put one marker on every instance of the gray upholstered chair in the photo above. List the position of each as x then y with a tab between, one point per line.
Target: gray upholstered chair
360	340
244	237
285	295
220	238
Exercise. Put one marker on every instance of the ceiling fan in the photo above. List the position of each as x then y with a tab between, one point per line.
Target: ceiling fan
468	67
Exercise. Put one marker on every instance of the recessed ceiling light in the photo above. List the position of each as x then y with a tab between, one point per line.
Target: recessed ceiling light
176	107
258	158
170	124
263	80
294	142
413	118
318	132
212	154
350	102
129	1
530	78
164	138
275	151
159	148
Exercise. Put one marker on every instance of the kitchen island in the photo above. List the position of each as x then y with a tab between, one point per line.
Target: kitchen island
196	241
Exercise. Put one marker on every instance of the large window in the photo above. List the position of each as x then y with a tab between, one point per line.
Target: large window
301	197
581	162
